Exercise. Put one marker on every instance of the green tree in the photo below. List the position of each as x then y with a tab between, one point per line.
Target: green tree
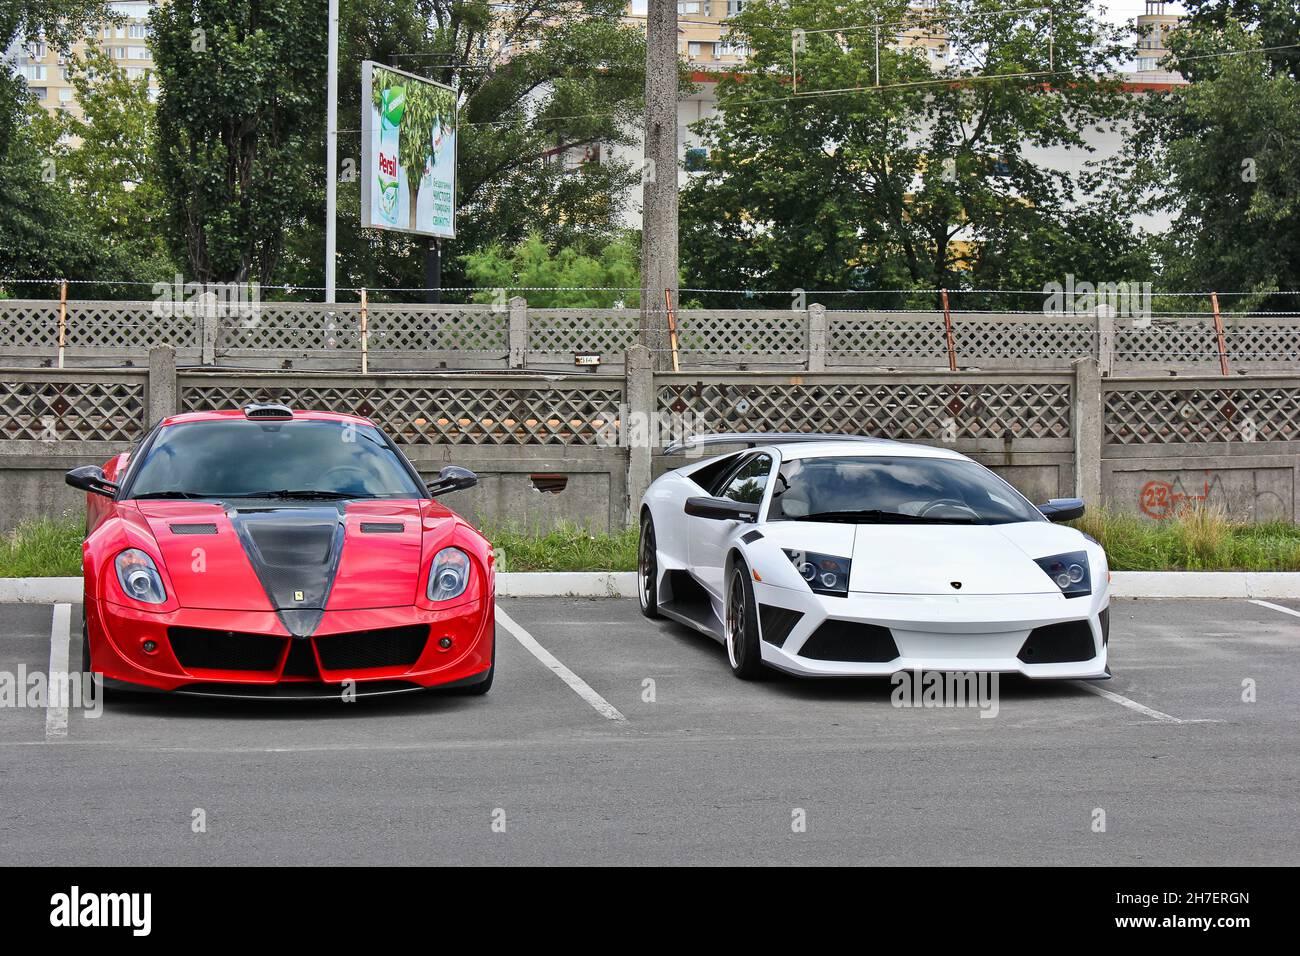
532	80
43	234
240	129
106	155
910	181
532	265
1222	157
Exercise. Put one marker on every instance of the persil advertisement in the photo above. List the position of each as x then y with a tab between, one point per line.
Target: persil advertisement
408	152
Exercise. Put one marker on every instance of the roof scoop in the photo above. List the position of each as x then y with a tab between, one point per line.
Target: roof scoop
268	412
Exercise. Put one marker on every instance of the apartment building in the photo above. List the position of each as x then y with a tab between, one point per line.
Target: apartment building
46	69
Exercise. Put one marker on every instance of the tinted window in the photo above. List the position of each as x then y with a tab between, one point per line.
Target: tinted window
749	480
708	476
243	458
934	489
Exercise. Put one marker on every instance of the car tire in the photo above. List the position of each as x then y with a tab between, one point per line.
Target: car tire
85	649
741	624
647	569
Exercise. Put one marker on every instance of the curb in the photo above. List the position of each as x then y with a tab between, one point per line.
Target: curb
601	584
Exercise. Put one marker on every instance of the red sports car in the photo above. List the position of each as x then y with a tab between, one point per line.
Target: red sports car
272	552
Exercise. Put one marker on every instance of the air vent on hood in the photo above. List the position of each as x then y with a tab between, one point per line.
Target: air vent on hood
193	528
382	527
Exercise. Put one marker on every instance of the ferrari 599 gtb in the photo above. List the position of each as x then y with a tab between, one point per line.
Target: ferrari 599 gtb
858	557
272	552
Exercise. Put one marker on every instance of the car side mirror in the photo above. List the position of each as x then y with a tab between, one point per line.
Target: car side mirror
91	478
452	478
721	509
1062	509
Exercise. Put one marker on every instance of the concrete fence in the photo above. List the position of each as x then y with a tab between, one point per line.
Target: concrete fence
582	447
513	335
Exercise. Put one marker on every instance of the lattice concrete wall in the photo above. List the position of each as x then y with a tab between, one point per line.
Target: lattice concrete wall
1144	444
417	410
510	335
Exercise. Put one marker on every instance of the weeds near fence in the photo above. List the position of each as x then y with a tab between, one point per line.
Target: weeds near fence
43	547
1199	539
566	547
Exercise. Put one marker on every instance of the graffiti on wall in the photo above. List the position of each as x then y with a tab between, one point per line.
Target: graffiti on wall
1160	498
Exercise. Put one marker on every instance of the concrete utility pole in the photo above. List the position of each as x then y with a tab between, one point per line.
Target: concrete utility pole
659	178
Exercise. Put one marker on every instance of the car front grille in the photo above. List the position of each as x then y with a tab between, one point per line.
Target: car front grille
204	649
360	650
850	641
301	661
1062	643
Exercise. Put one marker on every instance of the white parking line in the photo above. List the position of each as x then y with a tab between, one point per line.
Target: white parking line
56	711
1125	702
579	686
1277	607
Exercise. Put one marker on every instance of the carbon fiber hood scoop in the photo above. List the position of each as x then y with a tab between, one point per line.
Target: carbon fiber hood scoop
295	553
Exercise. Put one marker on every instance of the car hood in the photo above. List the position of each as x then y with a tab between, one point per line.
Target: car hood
953	559
297	558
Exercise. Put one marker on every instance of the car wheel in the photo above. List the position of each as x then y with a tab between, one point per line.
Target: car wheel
647	569
85	649
742	625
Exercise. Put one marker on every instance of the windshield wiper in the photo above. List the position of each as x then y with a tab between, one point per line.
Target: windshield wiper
876	516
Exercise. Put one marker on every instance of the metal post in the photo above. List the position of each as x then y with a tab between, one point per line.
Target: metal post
947	325
1218	328
433	272
331	148
672	328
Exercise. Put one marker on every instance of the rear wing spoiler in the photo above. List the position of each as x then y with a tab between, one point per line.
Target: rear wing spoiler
752	439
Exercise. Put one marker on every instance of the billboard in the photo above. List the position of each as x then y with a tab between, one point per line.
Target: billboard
408	152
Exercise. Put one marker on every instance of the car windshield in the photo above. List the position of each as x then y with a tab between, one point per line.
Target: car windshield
239	458
895	490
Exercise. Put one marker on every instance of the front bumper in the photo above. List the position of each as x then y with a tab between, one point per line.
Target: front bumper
249	653
968	632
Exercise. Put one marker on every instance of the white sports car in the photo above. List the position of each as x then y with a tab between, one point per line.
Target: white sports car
846	556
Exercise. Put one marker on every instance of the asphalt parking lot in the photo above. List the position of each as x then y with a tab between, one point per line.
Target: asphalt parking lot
574	758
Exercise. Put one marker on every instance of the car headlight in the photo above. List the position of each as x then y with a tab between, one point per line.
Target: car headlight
825	573
1069	572
449	575
139	577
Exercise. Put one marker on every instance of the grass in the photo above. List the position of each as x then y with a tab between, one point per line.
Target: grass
1198	540
567	547
44	547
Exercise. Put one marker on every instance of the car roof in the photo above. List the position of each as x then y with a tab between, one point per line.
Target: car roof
871	448
237	414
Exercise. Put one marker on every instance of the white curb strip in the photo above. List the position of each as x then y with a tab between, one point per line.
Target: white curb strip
588	584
